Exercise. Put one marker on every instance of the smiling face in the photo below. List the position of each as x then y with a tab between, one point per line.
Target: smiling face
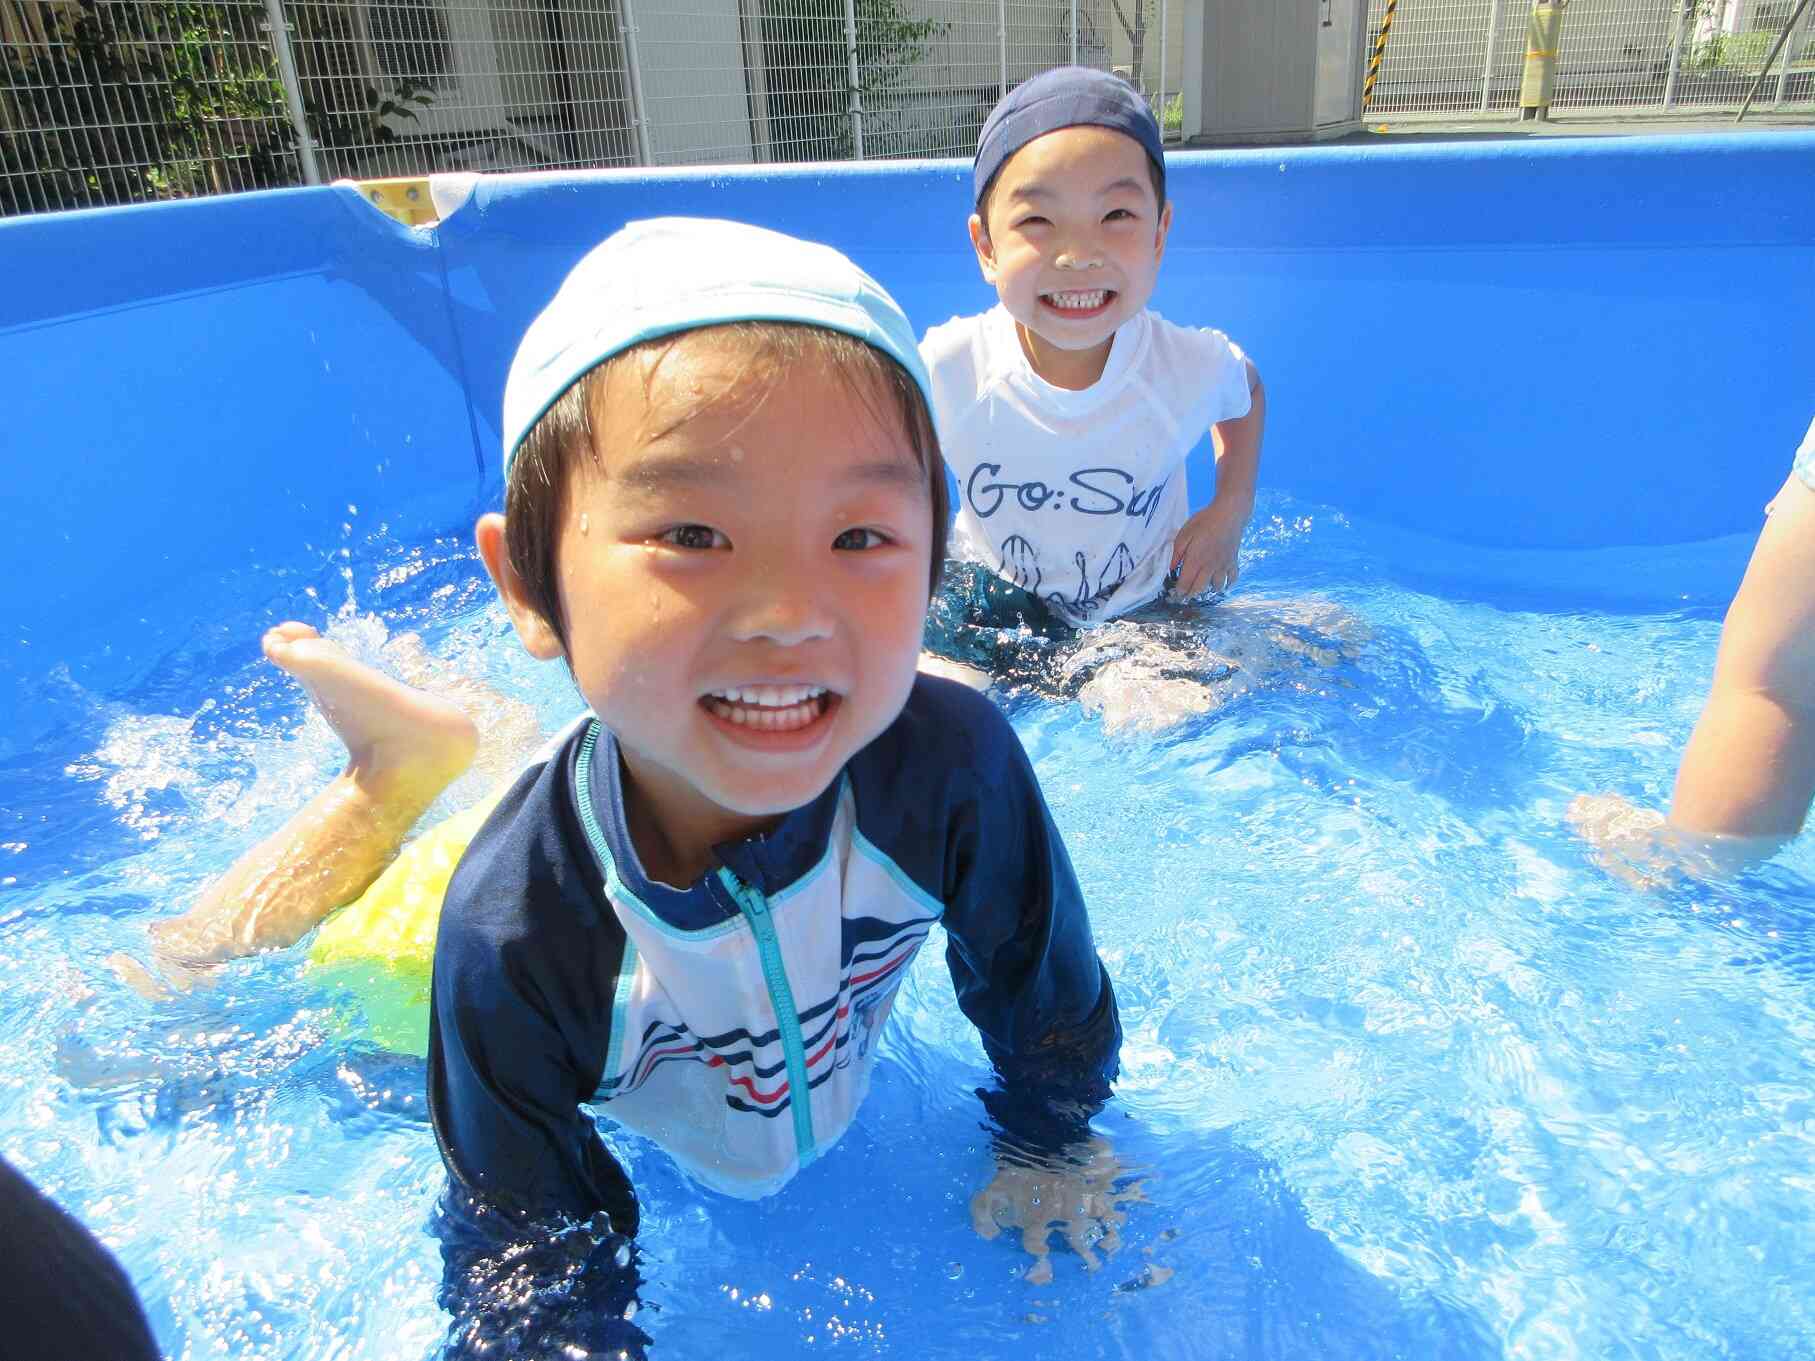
1072	244
743	570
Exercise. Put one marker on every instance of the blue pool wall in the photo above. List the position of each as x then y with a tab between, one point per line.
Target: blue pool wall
1557	343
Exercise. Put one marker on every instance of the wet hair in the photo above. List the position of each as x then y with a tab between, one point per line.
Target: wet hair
542	473
1156	172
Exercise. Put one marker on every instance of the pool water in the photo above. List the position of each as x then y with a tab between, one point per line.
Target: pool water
1406	1074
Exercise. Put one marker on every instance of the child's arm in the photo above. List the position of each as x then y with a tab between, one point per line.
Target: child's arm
537	1221
1204	552
536	1224
1749	768
1021	954
1027	974
1748	773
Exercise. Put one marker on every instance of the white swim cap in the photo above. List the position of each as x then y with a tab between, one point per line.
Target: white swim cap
671	274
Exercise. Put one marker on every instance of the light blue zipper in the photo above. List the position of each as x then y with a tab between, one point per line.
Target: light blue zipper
756	911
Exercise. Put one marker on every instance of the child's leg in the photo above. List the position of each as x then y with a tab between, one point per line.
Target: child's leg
981	629
404	746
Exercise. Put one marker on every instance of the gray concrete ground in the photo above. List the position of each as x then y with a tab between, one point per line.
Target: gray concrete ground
1588	123
1395	129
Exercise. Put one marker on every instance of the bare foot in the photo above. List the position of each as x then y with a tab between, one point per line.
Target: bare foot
1131	697
509	730
392	731
171	976
403	748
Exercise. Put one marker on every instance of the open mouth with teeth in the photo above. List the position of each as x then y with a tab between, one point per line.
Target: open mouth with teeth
1079	302
760	709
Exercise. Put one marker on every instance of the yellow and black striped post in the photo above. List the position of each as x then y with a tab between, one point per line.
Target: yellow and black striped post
1386	27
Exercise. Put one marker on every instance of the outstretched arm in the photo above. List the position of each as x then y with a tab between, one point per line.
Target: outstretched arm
1749	768
1027	975
1203	554
1024	964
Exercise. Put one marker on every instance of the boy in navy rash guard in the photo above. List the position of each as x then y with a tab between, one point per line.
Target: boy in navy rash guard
724	509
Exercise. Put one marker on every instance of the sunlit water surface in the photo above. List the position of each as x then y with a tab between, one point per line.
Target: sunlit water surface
1406	1075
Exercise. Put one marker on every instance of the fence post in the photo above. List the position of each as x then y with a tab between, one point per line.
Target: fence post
1002	47
286	71
855	104
1386	31
1487	66
638	120
1683	9
1162	112
1783	71
1074	32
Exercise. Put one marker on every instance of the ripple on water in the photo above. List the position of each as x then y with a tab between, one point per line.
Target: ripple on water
1405	1073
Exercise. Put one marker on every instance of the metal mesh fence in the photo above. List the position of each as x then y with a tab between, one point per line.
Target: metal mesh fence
1445	56
114	101
121	103
406	87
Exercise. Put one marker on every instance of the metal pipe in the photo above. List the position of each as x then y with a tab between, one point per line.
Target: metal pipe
286	71
1162	81
1683	10
1487	66
638	120
1776	47
855	107
1002	46
1074	32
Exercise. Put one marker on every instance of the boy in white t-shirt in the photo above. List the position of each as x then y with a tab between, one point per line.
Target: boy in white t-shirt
1067	410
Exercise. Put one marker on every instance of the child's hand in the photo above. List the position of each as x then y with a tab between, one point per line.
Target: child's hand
1622	839
1639	846
1203	554
1076	1194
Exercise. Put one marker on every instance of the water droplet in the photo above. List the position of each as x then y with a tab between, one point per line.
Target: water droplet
585	522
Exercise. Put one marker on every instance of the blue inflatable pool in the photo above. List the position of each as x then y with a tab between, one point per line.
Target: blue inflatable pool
1407	1073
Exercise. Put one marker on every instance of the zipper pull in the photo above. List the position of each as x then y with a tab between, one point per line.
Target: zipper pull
743	894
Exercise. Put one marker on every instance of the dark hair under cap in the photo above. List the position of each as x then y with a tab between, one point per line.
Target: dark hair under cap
1064	97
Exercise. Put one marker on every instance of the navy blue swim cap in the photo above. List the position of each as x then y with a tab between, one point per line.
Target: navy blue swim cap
1064	97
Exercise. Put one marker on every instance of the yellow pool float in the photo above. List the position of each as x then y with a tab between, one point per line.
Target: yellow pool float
380	948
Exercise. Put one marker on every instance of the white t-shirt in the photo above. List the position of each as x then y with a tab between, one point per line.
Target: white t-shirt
1077	496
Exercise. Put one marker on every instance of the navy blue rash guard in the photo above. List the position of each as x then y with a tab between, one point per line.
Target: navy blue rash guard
699	1017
